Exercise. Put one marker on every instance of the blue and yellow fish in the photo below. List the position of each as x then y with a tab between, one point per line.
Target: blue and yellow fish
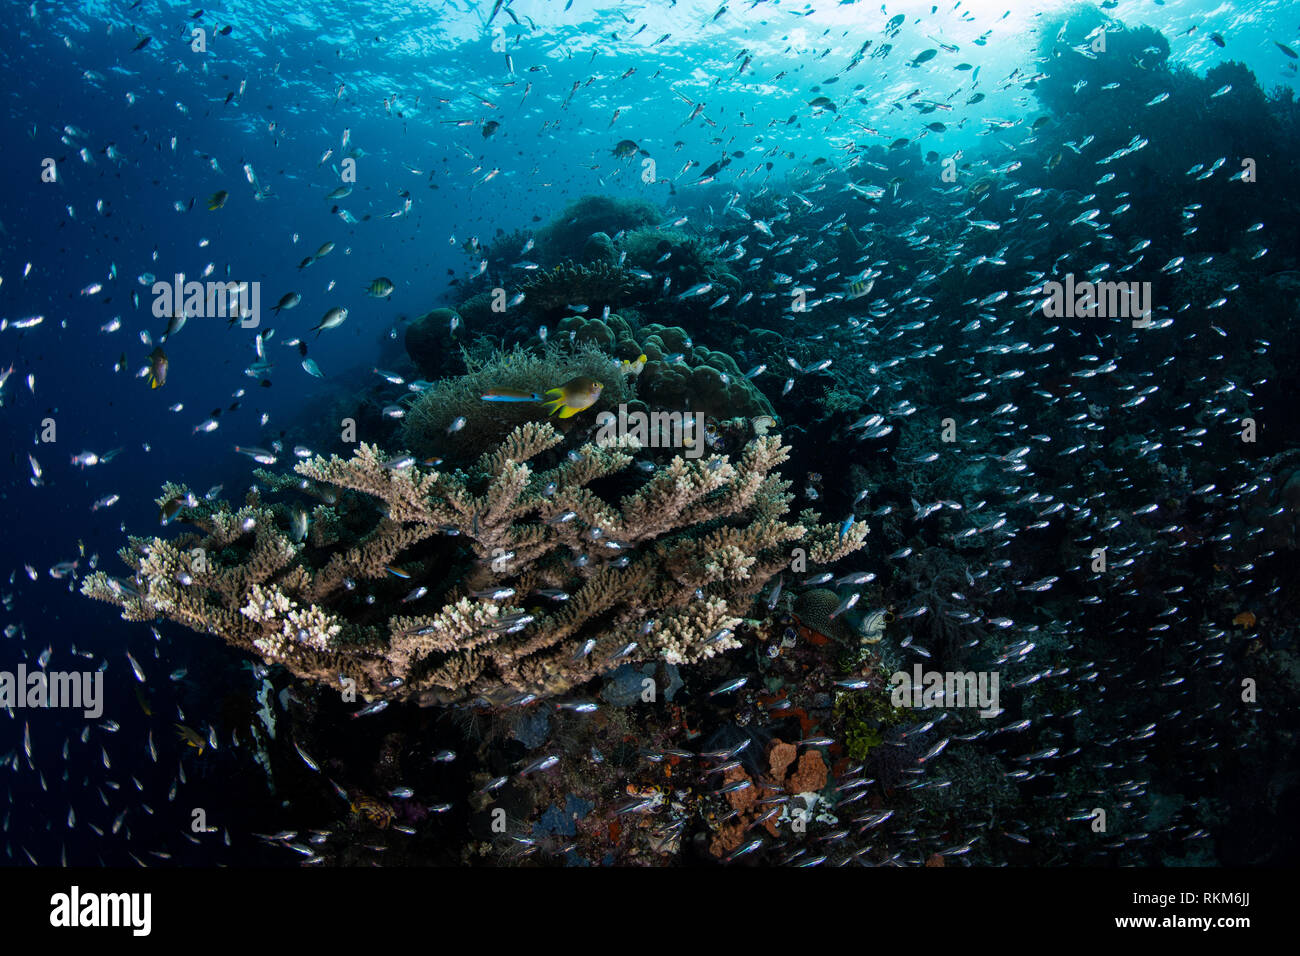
573	396
568	399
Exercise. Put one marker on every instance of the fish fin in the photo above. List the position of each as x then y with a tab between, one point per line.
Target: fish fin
555	393
569	411
553	406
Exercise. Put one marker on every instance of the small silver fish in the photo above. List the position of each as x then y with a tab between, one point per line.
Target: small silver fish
305	758
135	666
541	763
578	706
729	686
844	605
373	708
775	596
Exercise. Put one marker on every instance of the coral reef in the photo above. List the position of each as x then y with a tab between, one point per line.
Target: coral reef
678	374
429	341
698	379
664	574
506	249
476	310
1091	531
612	334
599	250
426	428
565	236
595	285
689	259
814	609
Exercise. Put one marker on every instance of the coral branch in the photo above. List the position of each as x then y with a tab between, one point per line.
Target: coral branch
511	577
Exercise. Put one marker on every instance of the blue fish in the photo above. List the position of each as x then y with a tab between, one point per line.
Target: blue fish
509	395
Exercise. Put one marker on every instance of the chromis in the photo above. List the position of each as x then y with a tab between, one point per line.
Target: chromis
287	301
332	320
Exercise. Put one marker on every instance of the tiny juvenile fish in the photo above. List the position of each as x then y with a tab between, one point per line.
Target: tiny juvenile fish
369	709
844	605
729	686
540	764
135	666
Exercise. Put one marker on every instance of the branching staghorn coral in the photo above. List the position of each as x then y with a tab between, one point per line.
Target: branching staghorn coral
502	580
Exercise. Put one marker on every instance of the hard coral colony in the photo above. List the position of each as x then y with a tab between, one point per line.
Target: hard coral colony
665	573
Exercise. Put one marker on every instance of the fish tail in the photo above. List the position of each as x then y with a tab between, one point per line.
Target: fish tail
553	406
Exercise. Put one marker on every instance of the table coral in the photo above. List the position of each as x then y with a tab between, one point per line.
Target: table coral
517	578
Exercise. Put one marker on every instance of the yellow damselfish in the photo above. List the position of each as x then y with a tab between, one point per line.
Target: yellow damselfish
191	737
573	396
